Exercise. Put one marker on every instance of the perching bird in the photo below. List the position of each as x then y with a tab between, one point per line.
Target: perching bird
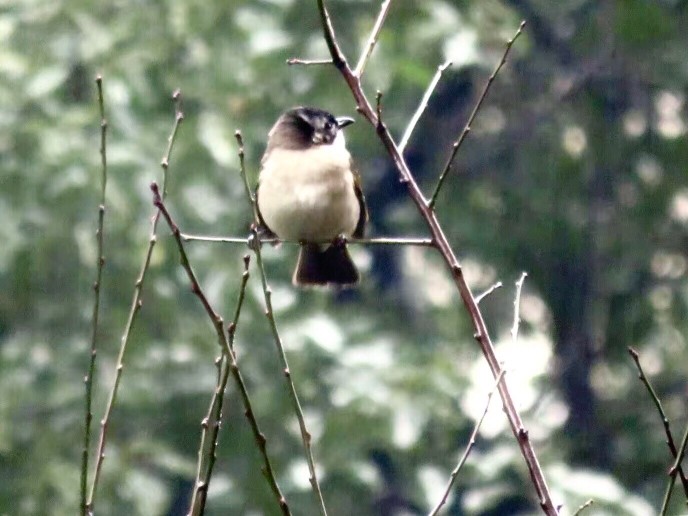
309	191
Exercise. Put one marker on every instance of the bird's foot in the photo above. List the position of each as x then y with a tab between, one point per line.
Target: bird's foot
339	241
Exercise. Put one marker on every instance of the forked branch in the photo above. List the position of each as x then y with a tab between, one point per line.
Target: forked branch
226	344
255	244
136	304
662	415
442	244
476	108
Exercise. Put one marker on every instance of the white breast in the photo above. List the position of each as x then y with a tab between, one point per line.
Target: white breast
309	194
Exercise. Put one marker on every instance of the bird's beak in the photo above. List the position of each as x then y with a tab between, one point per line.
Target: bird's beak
343	121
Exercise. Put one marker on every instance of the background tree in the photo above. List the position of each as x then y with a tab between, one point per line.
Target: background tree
574	171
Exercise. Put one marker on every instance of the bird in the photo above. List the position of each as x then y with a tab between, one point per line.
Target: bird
309	191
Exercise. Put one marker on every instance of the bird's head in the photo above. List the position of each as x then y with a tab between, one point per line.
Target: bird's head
304	127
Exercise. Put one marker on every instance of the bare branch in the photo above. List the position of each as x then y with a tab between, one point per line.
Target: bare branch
583	507
673	472
227	348
662	415
442	244
100	263
467	127
308	62
489	291
421	242
255	245
305	434
136	304
422	106
207	453
242	170
467	451
517	307
372	39
378	110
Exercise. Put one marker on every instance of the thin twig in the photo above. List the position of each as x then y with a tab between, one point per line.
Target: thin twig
308	62
489	291
135	304
517	307
442	244
226	346
662	415
305	434
420	242
380	126
583	507
673	472
255	245
372	39
100	263
476	108
422	106
467	450
207	455
242	168
200	492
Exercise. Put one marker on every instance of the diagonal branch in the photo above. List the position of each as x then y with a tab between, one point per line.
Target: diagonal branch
372	39
582	508
467	450
88	380
226	344
255	244
210	426
476	108
673	472
455	269
517	307
422	106
489	291
662	415
136	304
305	434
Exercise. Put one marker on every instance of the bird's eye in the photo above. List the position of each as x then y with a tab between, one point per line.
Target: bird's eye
329	126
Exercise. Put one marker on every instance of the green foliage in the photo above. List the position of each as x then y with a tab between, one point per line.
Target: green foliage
574	171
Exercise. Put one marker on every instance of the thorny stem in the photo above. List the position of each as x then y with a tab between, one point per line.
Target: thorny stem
226	343
476	108
442	245
422	106
100	263
467	450
135	305
662	415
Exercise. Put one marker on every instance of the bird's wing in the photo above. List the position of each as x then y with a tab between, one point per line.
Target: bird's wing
261	222
363	217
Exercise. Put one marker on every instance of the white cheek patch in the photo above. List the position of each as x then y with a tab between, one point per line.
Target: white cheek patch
339	142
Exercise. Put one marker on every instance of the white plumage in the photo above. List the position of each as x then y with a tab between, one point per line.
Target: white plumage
309	195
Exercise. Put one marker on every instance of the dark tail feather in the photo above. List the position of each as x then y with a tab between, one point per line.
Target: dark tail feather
321	267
